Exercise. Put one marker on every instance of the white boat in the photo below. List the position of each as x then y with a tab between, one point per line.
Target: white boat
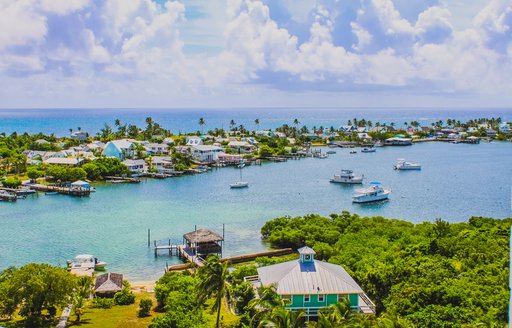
330	152
86	262
239	184
368	150
353	152
25	191
374	193
322	155
401	164
347	177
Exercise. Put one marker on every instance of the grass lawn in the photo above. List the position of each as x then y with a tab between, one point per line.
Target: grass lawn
226	317
118	316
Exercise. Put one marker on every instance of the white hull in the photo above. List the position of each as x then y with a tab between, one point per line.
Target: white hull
370	198
368	151
408	168
239	185
355	180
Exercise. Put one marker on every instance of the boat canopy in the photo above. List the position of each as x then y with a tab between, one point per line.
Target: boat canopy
84	257
81	183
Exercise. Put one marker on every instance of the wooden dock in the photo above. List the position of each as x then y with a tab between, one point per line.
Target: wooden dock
122	179
73	191
198	261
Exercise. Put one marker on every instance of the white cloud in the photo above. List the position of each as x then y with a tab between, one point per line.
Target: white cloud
136	48
62	7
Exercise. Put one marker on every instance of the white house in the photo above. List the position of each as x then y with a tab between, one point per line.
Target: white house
157	148
168	141
205	153
194	141
136	165
162	164
505	128
242	146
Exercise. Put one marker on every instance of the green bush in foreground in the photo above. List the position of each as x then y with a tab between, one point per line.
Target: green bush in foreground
125	296
103	303
145	307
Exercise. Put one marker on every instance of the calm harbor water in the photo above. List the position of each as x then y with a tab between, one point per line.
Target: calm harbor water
456	182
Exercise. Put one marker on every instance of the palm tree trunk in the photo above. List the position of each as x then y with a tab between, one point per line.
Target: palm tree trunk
218	313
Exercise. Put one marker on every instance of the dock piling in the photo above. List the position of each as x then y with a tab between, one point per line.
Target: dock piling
149	237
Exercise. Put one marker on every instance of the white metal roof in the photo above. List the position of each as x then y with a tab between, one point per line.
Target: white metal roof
316	277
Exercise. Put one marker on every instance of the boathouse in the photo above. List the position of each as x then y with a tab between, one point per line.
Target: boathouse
311	285
203	242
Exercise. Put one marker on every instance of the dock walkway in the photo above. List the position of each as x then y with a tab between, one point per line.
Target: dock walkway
198	261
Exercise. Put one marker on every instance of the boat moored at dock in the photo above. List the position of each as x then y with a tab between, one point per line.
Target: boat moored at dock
347	177
86	262
374	193
403	165
368	150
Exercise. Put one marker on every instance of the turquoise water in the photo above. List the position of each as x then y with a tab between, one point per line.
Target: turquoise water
59	121
456	182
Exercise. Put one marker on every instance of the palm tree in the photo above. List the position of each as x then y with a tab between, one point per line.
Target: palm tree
283	318
117	122
202	123
214	275
232	123
82	292
257	123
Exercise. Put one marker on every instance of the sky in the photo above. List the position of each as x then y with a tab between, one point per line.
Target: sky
255	53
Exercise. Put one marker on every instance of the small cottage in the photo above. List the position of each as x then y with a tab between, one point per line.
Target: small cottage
108	284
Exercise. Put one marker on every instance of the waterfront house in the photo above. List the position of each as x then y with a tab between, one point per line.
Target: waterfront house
205	153
157	148
472	129
310	285
122	149
136	165
241	146
108	284
71	162
94	146
194	141
162	164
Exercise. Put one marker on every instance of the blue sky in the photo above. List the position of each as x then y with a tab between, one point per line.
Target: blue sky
241	53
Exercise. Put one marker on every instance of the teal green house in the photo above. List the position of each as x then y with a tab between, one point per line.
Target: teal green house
311	285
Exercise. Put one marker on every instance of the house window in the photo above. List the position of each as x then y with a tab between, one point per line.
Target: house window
306	299
321	298
342	297
307	257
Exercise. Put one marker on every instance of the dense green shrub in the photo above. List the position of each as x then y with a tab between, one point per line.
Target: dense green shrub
125	296
145	307
102	303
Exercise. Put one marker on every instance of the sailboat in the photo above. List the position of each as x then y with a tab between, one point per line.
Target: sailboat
240	184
